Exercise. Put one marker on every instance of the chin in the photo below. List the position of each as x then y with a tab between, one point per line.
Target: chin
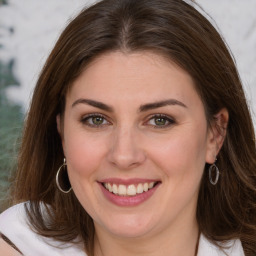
130	233
128	227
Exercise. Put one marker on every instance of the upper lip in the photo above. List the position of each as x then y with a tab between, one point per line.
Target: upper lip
127	181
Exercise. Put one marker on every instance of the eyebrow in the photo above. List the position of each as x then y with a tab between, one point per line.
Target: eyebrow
142	108
93	103
160	104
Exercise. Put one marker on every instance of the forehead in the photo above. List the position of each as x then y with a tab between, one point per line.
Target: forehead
132	76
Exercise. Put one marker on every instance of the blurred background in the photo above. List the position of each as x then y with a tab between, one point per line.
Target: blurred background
29	29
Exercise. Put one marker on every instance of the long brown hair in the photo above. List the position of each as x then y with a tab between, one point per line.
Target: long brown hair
179	32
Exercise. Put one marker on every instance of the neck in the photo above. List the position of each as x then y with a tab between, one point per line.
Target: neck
179	240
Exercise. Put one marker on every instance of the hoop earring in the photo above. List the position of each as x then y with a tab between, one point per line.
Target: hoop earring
64	181
217	173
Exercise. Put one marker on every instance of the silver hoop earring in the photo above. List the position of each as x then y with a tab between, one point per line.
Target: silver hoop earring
65	186
212	168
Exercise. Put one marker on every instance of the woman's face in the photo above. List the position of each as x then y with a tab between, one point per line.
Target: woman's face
136	142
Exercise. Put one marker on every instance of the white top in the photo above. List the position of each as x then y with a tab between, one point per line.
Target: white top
13	224
234	248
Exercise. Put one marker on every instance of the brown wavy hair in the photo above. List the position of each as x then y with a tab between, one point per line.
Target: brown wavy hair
179	32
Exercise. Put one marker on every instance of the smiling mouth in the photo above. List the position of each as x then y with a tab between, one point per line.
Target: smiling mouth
129	190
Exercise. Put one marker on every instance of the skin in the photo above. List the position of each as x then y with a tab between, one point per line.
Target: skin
130	143
7	250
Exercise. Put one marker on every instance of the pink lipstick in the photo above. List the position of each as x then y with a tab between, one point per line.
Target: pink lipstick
130	192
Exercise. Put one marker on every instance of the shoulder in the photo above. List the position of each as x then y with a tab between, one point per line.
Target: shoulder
7	250
14	225
232	248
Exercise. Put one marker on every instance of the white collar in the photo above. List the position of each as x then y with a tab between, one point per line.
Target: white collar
233	248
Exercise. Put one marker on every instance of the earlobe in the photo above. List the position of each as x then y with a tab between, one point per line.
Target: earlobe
216	135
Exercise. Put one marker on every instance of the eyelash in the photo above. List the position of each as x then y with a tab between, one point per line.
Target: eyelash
85	120
169	120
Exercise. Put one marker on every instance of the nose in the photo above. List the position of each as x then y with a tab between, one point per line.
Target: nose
126	151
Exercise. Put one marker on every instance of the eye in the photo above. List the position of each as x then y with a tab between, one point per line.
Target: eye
160	121
94	120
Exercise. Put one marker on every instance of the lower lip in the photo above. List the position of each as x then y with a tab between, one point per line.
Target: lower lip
128	200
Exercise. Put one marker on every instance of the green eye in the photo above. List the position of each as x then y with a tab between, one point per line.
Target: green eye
94	120
160	121
97	120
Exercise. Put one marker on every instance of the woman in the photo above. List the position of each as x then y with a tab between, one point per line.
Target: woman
140	103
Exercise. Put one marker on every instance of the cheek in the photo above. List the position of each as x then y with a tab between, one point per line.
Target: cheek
182	155
83	153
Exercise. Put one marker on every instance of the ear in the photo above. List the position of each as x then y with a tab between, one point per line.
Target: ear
216	135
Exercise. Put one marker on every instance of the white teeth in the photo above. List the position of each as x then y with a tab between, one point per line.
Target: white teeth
109	187
151	185
122	190
114	189
130	190
139	189
145	187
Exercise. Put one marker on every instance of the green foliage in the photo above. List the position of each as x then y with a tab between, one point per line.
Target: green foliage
6	76
3	2
11	121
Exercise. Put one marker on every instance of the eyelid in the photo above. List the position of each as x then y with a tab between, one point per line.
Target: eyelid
84	118
170	119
